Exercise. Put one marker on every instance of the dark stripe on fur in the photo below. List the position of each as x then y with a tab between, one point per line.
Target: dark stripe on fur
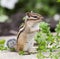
20	33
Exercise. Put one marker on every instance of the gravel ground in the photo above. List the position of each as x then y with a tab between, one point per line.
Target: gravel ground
13	55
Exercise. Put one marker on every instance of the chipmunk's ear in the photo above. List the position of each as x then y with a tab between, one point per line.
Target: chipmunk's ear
29	13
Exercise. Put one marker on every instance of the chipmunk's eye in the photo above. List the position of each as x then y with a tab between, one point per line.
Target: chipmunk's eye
35	16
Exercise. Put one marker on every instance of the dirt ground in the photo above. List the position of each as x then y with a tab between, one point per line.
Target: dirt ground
14	55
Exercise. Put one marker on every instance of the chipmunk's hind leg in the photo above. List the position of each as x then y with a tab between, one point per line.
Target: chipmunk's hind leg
19	47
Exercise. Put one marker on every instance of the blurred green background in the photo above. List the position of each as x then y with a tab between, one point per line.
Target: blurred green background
14	10
44	7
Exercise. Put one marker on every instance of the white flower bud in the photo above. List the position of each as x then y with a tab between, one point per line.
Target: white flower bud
10	4
56	17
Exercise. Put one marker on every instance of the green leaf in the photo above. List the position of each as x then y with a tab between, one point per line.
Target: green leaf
21	52
2	41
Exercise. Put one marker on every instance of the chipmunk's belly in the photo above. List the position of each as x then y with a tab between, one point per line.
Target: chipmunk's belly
30	39
30	42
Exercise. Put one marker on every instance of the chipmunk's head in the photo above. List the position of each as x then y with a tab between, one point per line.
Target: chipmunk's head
34	17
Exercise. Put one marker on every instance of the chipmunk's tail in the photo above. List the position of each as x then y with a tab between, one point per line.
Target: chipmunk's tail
11	43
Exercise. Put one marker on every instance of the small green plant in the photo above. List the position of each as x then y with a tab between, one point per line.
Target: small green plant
2	42
58	30
21	52
47	42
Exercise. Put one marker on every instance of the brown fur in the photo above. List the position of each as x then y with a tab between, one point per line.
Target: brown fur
22	39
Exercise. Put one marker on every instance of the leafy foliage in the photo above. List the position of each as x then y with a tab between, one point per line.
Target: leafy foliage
44	26
58	28
21	52
46	41
2	42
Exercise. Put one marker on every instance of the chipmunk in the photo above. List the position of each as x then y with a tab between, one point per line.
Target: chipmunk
25	37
